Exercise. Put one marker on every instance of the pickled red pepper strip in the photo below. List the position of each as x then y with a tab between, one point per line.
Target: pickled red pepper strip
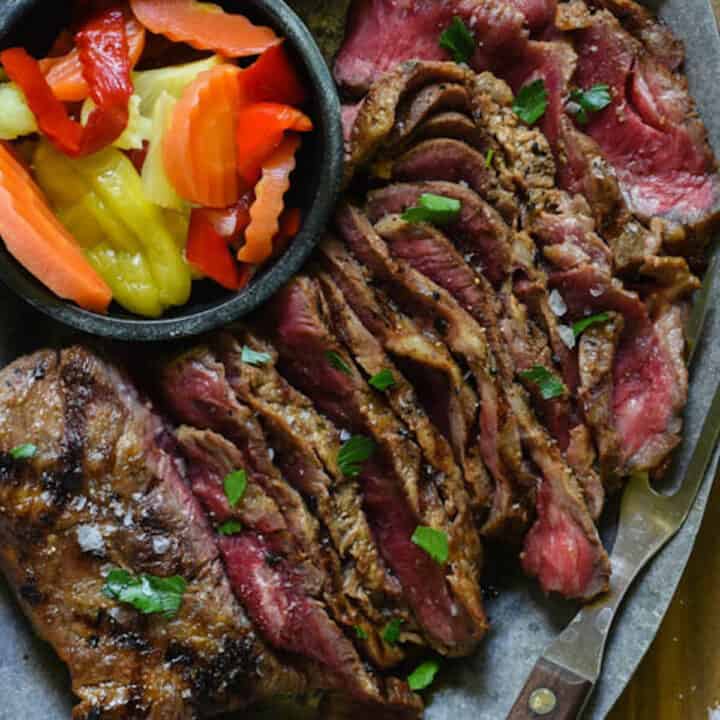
104	54
209	251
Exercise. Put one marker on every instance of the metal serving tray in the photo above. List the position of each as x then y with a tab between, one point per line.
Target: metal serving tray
34	684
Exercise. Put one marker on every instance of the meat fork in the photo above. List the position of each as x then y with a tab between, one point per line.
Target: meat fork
563	679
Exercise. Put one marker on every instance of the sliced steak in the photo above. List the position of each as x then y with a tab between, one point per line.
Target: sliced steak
280	588
650	133
653	33
195	389
596	358
434	306
398	498
379	112
565	229
449	401
479	230
455	161
384	33
649	374
422	247
306	447
104	490
439	462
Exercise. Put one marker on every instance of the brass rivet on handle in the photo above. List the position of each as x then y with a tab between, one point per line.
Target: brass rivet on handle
543	701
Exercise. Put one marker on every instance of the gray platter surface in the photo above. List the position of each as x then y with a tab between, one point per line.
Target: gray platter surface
34	684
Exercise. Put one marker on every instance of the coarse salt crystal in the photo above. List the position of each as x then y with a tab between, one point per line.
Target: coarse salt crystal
90	538
567	335
557	303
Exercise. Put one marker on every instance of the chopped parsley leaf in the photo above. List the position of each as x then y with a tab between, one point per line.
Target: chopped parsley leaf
551	386
458	41
391	633
423	675
581	326
435	209
383	380
531	102
360	633
354	453
337	362
147	593
23	452
489	158
230	527
235	485
583	102
257	359
433	542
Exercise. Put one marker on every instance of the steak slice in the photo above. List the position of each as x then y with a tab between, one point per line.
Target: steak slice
385	33
479	229
449	401
649	373
377	116
306	446
398	497
439	462
596	358
456	162
433	305
280	587
104	490
650	133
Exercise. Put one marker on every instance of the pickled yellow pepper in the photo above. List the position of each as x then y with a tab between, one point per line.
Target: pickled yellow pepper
100	199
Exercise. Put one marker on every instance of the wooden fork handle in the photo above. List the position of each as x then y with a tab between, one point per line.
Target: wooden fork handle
551	693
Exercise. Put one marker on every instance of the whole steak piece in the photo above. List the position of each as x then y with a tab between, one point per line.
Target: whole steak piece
100	489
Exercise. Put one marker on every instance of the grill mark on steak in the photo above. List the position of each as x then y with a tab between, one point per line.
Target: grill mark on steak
449	401
395	498
430	303
127	474
439	470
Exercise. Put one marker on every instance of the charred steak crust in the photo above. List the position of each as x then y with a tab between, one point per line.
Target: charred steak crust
104	490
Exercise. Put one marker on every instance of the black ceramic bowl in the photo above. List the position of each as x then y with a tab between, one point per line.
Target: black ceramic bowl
316	183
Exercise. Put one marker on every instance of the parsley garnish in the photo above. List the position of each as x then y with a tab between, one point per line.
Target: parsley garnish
423	675
146	593
337	362
391	633
230	527
458	41
23	452
235	485
550	385
433	542
489	158
435	209
583	102
581	326
360	633
257	359
531	102
354	453
383	380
